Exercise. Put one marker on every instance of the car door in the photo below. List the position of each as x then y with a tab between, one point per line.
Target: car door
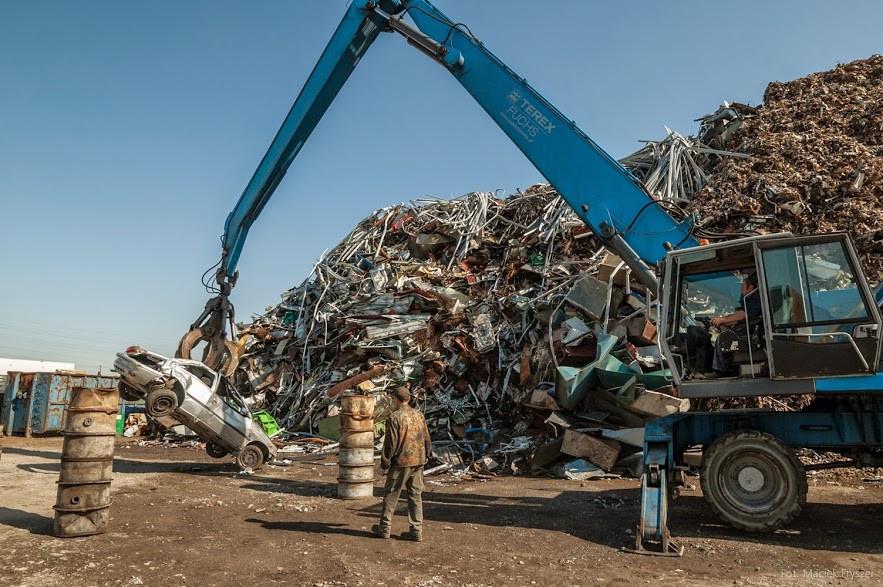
233	412
200	404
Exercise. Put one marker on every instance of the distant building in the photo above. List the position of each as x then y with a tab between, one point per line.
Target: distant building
27	366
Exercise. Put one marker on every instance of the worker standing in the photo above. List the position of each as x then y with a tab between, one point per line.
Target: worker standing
405	448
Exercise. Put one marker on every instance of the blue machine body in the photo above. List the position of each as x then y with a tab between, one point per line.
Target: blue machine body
851	423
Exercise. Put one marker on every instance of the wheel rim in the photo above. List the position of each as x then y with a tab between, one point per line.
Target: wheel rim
751	479
753	482
163	405
249	457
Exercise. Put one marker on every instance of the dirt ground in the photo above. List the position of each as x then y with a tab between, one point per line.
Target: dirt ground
180	518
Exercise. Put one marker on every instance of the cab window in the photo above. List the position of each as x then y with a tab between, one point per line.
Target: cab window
812	286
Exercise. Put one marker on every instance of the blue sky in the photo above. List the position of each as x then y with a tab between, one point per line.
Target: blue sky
128	130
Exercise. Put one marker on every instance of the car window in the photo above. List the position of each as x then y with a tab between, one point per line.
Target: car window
201	373
229	395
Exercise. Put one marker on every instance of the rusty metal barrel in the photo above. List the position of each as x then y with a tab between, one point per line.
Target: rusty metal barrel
82	507
355	460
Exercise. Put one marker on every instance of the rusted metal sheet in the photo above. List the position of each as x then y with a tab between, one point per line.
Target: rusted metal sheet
36	403
375	371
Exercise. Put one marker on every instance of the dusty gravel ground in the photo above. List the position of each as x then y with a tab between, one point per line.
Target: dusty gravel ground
181	518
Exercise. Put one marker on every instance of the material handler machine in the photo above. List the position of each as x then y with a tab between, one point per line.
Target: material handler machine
818	332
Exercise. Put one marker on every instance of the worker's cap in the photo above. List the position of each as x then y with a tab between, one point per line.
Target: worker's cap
402	393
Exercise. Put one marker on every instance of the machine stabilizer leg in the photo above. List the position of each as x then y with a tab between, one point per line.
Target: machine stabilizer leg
653	526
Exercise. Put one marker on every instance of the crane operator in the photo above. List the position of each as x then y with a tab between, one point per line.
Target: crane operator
748	308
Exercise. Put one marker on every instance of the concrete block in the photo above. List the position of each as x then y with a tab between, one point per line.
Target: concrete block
600	451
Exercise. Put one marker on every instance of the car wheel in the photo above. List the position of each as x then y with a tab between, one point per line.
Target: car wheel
161	402
128	394
250	457
753	481
216	451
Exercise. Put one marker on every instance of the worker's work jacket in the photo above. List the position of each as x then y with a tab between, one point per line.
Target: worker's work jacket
407	439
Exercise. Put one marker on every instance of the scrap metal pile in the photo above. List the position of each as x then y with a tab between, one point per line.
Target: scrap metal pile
677	168
477	302
521	338
816	162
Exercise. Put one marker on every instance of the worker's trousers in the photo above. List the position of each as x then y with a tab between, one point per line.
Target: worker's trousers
720	363
410	479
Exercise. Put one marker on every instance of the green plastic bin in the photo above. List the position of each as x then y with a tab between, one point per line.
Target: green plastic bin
267	422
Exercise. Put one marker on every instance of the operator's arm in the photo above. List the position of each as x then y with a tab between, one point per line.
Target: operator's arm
730	319
749	307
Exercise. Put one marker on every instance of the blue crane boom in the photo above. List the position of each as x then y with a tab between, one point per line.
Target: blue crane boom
603	193
353	36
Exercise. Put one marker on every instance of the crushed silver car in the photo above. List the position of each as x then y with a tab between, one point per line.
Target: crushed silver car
186	391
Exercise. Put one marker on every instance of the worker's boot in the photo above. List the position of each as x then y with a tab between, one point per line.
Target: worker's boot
379	532
413	535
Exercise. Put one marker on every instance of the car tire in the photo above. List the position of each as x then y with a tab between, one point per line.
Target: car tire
753	481
161	402
128	394
216	451
250	457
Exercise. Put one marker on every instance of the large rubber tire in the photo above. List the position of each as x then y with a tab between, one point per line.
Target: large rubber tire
753	481
161	402
216	451
250	457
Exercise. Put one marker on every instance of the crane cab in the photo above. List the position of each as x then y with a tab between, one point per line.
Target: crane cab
816	316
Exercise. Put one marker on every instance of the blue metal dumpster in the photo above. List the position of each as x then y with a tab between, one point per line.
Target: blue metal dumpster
35	403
